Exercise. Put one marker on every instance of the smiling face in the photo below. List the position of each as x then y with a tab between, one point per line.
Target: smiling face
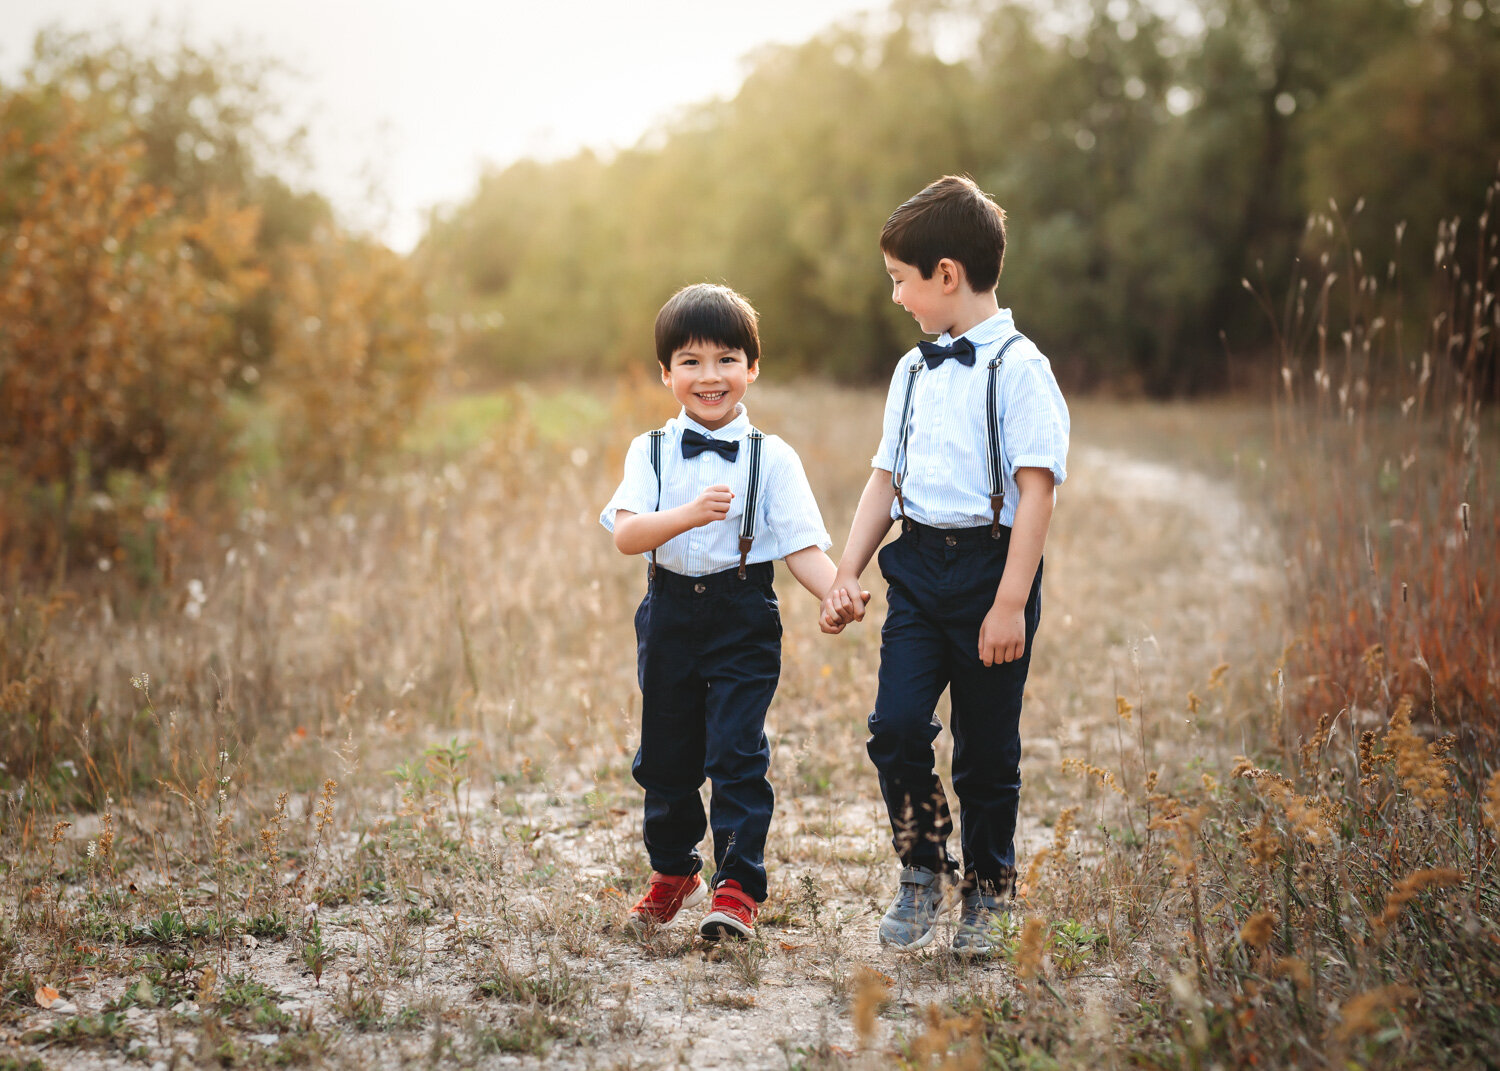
709	379
930	301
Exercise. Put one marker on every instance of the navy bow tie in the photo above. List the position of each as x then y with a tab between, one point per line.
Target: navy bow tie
935	355
694	443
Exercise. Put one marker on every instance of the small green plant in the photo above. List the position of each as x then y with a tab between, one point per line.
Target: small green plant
552	987
107	1029
271	926
447	762
316	955
243	999
746	958
529	1034
1074	944
168	928
361	1005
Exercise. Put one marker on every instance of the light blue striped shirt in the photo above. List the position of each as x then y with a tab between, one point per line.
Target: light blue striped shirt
788	519
947	481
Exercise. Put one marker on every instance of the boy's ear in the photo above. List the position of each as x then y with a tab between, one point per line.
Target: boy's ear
951	274
666	375
753	371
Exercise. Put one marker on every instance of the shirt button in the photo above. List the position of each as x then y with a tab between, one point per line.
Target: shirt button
700	588
952	541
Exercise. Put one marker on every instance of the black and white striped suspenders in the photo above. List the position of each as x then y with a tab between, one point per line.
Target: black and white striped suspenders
752	493
656	437
752	499
992	428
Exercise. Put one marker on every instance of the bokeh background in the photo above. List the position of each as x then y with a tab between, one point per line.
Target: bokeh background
323	330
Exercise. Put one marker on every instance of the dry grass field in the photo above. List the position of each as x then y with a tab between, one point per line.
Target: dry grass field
354	791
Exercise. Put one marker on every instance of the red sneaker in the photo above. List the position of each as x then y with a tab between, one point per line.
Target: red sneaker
665	896
732	913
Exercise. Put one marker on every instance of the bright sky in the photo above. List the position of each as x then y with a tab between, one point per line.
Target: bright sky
415	95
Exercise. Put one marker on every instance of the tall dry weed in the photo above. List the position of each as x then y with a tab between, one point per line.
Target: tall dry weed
1386	479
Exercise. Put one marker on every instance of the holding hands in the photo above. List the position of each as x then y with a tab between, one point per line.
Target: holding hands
844	603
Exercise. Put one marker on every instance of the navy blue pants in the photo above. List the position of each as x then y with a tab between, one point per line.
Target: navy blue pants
942	583
708	651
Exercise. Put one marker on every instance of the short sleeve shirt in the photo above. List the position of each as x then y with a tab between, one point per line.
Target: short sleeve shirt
946	463
787	516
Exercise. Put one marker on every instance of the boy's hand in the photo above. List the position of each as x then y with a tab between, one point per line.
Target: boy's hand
1002	635
844	603
711	505
830	622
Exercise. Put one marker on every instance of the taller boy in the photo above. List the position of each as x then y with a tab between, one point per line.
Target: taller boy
975	440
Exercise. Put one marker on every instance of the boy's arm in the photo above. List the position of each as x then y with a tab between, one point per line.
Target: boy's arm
845	600
637	533
1002	636
815	571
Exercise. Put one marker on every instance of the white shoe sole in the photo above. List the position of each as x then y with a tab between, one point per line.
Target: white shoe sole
719	924
642	923
915	946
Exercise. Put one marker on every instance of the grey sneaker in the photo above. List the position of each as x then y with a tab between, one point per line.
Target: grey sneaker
982	926
911	920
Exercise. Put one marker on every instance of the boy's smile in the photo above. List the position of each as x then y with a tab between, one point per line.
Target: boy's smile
928	301
709	379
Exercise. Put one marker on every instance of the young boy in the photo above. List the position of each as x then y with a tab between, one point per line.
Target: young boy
708	631
974	441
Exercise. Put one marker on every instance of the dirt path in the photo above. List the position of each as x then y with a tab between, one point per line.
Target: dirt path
512	955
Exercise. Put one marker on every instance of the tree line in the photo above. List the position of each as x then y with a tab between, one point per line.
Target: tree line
177	319
1153	160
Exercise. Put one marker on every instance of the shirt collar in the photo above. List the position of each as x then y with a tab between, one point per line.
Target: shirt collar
735	429
984	332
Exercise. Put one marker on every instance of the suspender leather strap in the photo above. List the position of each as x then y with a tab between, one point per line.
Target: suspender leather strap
656	437
752	498
993	430
898	472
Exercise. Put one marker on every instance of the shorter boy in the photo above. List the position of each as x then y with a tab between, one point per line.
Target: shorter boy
708	632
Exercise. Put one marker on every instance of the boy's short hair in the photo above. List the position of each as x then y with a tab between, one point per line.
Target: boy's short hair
951	218
705	312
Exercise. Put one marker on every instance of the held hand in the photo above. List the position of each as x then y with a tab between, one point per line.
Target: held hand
844	603
1002	635
711	505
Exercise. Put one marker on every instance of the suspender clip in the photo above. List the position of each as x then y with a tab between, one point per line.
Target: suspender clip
997	503
745	542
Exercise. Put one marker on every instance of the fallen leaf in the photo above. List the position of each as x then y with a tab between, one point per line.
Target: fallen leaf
46	996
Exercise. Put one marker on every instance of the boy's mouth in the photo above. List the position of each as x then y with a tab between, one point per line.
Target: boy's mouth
712	397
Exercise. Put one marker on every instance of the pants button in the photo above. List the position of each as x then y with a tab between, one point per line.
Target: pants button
700	588
952	541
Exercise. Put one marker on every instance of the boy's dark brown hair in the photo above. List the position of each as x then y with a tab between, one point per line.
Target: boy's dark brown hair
951	218
704	312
